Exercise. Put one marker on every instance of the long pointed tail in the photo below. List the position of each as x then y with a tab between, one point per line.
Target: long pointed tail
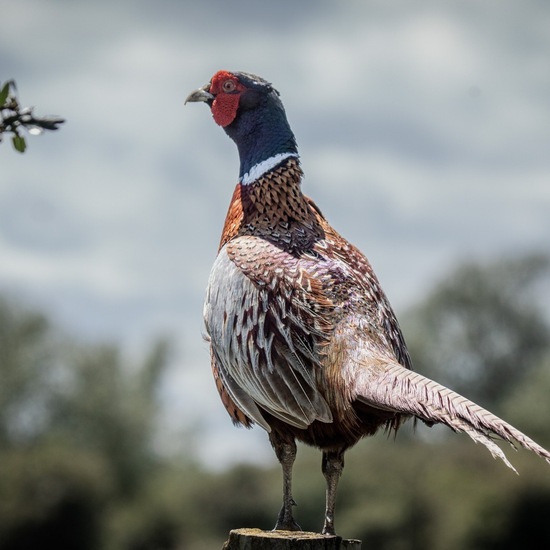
398	389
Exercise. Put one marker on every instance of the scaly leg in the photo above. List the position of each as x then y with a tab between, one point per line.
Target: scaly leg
332	466
285	449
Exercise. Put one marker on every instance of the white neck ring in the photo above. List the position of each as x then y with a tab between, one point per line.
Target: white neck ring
258	170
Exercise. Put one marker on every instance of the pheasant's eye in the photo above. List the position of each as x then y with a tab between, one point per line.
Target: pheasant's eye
229	86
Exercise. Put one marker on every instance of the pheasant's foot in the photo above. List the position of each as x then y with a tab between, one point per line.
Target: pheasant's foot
285	521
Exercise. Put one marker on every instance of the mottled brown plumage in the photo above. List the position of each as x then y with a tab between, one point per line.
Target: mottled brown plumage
303	340
305	279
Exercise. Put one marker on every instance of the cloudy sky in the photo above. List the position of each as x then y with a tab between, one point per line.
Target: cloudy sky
424	130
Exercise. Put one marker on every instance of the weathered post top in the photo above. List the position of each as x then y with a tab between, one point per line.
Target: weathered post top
256	539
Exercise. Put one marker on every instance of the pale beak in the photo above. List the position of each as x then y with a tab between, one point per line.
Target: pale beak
202	94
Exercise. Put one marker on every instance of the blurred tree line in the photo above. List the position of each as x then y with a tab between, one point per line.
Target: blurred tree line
79	470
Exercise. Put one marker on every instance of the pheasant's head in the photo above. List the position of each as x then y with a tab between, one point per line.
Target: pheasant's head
230	94
249	109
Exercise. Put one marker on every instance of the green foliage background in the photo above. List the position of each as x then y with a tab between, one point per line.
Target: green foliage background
78	422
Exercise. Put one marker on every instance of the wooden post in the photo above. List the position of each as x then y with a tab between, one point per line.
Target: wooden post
256	539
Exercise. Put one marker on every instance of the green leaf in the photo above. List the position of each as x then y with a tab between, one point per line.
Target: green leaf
19	143
5	93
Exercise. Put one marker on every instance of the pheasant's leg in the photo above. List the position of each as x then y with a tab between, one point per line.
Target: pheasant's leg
333	464
285	449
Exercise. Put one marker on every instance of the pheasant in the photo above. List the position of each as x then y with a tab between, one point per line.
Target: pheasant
303	340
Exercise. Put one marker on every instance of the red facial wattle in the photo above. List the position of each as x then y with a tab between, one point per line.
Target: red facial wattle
226	103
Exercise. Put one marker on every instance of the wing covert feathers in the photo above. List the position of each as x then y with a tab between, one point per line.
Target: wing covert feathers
399	389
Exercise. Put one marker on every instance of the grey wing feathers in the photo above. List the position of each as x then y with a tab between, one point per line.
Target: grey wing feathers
390	386
261	368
